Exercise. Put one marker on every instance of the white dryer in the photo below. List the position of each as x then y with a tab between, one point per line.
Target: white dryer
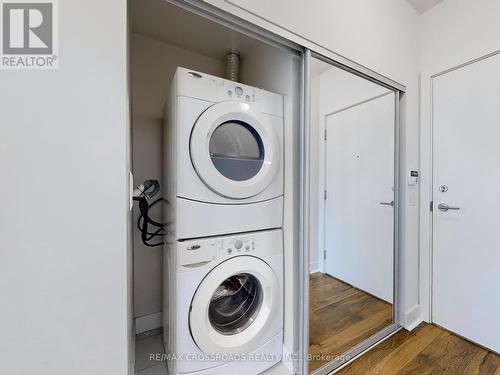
224	156
224	304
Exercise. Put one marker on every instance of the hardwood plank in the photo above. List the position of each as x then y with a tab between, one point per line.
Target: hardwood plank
339	342
491	364
436	357
475	366
341	317
366	363
337	317
397	359
427	350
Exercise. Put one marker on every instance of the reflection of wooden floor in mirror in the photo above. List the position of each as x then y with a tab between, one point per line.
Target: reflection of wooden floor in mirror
341	316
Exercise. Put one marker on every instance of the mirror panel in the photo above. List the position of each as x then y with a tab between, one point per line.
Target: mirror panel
352	200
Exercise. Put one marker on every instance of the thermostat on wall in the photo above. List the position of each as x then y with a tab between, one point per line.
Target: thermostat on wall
413	178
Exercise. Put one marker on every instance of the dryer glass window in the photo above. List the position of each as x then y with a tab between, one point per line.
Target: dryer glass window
236	150
235	304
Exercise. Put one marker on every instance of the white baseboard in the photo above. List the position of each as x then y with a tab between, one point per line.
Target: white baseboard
412	318
148	322
314	267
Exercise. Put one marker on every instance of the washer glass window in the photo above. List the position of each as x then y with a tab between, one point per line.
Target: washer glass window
236	150
235	304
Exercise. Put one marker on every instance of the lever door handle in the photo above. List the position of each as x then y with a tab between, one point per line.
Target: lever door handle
391	203
444	207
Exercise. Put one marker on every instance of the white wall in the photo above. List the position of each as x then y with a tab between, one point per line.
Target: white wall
456	31
64	202
340	89
153	65
452	33
383	36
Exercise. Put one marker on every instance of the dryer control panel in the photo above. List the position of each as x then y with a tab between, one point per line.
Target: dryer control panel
234	91
211	88
193	254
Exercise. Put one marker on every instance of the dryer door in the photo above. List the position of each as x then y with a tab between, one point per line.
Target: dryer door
234	306
232	151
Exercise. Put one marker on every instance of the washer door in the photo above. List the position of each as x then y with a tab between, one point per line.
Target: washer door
234	305
234	154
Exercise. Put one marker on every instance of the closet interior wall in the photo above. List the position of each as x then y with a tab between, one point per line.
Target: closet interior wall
163	37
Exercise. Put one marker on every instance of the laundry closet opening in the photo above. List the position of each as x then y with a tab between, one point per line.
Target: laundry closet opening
215	120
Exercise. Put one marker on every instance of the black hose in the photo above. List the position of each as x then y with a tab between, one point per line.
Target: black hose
144	207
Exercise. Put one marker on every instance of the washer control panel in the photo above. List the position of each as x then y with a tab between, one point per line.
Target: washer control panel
202	252
231	246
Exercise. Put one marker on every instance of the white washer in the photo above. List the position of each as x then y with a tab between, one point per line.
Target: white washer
224	156
224	299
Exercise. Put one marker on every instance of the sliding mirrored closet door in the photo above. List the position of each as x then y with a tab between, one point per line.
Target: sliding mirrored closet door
352	211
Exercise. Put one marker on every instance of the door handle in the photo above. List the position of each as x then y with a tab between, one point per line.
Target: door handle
391	203
444	207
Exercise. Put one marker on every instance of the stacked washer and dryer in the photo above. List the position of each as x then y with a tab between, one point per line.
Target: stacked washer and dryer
223	275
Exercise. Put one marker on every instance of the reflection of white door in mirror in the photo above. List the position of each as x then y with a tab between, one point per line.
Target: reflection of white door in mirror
352	280
359	212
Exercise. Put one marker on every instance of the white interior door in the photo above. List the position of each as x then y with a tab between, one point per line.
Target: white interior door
359	217
466	240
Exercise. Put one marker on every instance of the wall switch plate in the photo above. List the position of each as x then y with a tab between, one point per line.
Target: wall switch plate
413	198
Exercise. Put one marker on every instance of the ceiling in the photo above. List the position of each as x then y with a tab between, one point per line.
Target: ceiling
166	22
423	5
319	67
171	24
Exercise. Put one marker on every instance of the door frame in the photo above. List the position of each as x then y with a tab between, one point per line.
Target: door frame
426	182
399	121
322	174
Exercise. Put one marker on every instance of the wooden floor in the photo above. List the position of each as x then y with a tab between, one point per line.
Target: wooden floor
341	316
426	350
